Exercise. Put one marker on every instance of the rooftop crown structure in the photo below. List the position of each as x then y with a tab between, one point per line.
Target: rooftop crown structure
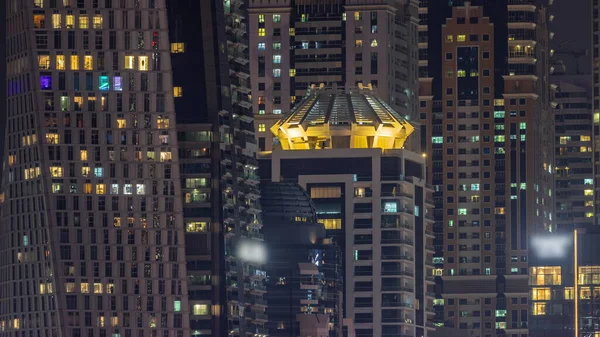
332	118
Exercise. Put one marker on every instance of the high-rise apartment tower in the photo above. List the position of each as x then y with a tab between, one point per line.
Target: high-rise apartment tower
92	237
485	101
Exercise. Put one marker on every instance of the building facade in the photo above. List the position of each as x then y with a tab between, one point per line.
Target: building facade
346	150
221	196
595	54
297	43
304	269
89	244
573	157
485	104
559	305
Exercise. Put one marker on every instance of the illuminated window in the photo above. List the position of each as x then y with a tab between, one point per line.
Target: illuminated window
177	91
100	189
461	73
569	293
84	22
325	192
261	112
166	156
500	313
589	275
276	72
70	21
292	31
538	308
129	62
98	172
500	325
276	18
200	309
196	227
177	47
277	59
499	210
276	111
589	214
39	21
118	83
162	122
85	171
262	32
52	138
585	138
262	128
56	21
474	187
116	222
357	16
56	171
261	18
276	45
97	21
292	72
449	38
390	207
564	139
588	192
177	306
542	276
541	294
12	159
44	62
83	154
16	323
304	18
462	211
358	43
74	62
261	46
499	138
38	3
60	62
143	63
522	125
461	38
88	62
373	42
331	223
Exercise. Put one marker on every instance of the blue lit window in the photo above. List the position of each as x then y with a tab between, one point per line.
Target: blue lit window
118	83
46	82
103	83
98	172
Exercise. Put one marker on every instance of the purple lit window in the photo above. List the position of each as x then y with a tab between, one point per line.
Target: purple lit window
118	83
46	82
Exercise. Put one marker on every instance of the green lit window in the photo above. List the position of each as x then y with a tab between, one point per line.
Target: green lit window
499	138
522	138
450	223
437	140
500	313
498	114
522	125
499	127
523	186
276	18
474	139
177	306
462	211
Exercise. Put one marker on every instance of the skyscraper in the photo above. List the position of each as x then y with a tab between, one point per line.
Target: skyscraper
595	52
92	229
218	159
345	148
296	43
485	101
574	196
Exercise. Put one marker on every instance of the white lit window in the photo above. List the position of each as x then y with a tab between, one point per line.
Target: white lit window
390	207
127	189
262	46
276	111
276	72
277	59
200	309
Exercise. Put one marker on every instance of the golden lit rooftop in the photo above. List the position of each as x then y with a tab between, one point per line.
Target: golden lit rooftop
330	118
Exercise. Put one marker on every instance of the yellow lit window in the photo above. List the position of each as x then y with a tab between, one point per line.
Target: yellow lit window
261	18
331	223
569	293
461	38
143	63
129	62
121	123
357	16
85	171
449	38
461	73
39	21
116	222
166	156
100	189
87	188
97	21
499	210
292	31
74	62
261	32
88	62
100	321
177	47
12	159
325	192
16	323
83	155
539	308
44	62
177	91
162	123
262	128
70	21
114	321
292	72
196	227
85	288
585	293
200	309
583	149
292	99
358	43
69	287
541	294
52	138
84	22
98	288
542	276
585	138
588	192
373	42
56	171
589	275
56	21
60	62
38	3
